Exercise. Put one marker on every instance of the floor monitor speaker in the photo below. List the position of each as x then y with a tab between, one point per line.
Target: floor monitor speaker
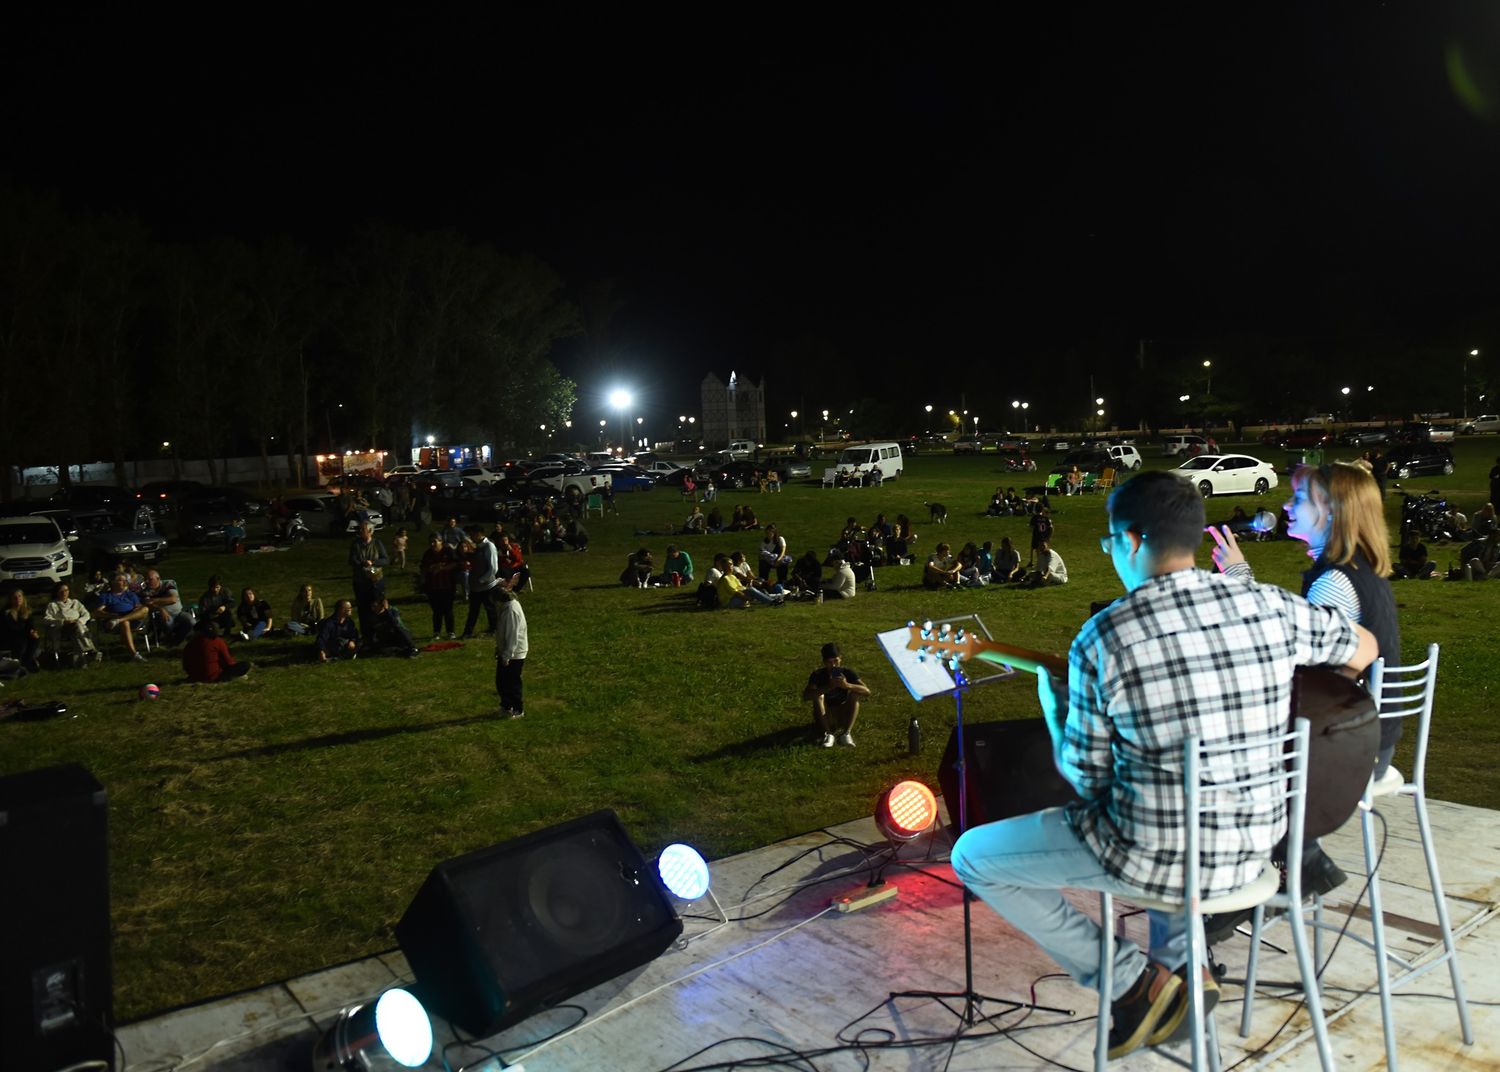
56	991
504	932
1011	771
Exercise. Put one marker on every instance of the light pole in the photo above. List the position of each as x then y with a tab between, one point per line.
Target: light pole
928	429
1021	408
1210	374
640	431
1472	353
621	399
823	428
602	424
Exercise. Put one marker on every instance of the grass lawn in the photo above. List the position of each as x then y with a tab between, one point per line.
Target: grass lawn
277	824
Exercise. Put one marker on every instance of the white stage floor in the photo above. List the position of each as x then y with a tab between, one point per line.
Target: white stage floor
799	978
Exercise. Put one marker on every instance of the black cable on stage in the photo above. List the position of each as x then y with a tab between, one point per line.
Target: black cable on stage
475	1044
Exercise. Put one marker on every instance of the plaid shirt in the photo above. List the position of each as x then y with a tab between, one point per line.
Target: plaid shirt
1187	652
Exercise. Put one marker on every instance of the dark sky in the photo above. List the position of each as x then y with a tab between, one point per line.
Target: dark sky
945	197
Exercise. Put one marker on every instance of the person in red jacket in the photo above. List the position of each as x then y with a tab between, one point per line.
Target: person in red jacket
206	657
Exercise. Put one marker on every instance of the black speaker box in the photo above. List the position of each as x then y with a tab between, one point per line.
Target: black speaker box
504	932
56	989
1010	770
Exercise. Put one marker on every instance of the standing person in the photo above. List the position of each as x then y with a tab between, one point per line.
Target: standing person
1041	530
835	692
439	564
1495	482
398	549
484	578
511	650
306	613
206	658
367	561
453	536
1118	725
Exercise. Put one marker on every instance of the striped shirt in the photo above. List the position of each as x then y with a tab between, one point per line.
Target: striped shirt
1187	652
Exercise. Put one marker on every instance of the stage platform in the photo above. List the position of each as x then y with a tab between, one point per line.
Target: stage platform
798	977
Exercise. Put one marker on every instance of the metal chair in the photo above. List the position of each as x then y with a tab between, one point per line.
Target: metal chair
594	502
1231	780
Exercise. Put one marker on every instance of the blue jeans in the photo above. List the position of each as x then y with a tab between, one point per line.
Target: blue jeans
1018	866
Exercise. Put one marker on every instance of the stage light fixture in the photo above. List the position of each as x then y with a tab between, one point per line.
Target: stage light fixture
391	1032
683	871
905	812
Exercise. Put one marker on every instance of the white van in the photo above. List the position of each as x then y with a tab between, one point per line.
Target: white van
740	448
1174	445
868	457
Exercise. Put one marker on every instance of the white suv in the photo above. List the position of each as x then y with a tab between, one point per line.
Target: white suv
1174	445
33	552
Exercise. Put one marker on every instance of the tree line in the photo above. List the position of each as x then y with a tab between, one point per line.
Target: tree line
114	341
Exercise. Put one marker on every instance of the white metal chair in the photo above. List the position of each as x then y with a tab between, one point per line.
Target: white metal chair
1225	794
830	478
593	503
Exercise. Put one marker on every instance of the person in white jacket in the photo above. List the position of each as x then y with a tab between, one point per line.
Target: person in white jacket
510	653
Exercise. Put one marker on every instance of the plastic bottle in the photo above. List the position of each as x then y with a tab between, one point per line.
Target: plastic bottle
913	737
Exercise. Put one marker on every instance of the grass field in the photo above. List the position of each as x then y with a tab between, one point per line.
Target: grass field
280	823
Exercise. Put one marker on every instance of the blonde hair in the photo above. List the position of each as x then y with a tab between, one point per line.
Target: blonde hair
1347	495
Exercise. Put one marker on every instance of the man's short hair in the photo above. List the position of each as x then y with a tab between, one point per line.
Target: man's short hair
830	650
1163	508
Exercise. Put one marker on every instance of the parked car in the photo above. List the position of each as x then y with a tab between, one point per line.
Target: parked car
792	469
471	475
99	540
1228	474
248	505
202	515
1097	459
1419	459
1006	441
119	501
162	496
968	445
403	470
1485	422
1363	437
1423	432
659	467
1307	439
572	479
625	477
321	511
1174	445
1057	445
33	553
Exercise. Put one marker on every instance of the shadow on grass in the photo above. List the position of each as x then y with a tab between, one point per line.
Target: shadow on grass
788	737
334	740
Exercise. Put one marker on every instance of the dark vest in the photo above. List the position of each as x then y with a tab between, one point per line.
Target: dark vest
1377	613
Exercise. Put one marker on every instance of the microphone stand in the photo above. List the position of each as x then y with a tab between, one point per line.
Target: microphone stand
971	1012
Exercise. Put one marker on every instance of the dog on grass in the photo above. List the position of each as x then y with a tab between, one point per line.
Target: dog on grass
938	513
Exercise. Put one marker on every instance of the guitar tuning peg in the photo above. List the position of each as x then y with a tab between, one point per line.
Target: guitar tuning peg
910	623
953	663
922	655
960	637
947	628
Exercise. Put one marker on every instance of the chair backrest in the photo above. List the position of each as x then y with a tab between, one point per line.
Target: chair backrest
1407	691
1052	479
1218	779
1107	479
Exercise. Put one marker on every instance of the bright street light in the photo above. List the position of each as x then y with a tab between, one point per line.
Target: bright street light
1183	398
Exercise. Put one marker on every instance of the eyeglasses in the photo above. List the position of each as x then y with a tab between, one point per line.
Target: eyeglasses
1107	541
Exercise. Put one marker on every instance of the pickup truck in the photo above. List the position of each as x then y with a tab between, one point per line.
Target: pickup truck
1423	432
571	478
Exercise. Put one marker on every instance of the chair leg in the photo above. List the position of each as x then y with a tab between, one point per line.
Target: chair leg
1377	925
1251	966
1106	980
1439	902
1197	1031
1311	992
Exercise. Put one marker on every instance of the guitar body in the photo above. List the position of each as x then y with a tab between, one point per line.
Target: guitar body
1344	737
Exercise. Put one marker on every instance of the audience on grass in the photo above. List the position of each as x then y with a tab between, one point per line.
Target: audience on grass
119	609
206	658
695	524
254	615
67	621
338	637
807	573
1050	568
307	609
734	593
217	605
969	573
1412	561
172	621
639	567
1007	562
677	569
774	556
841	582
439	571
18	639
388	634
941	570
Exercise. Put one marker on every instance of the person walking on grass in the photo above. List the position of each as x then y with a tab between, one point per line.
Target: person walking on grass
510	653
835	692
484	582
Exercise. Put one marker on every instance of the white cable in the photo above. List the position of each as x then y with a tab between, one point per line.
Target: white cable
671	983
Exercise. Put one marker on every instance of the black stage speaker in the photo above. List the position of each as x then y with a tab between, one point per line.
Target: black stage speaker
504	932
1010	771
56	990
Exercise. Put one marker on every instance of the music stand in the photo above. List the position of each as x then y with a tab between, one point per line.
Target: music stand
925	676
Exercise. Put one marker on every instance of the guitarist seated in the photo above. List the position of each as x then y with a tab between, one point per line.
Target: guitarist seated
1184	651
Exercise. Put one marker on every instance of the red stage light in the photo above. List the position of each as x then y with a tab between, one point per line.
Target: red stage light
905	811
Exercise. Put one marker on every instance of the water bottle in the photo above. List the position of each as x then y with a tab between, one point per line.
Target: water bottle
913	737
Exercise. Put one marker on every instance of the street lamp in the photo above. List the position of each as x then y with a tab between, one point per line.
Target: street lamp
1210	366
1022	407
929	418
622	400
1472	353
640	431
823	428
602	424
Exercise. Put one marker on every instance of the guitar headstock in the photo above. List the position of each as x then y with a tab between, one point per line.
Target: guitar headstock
945	642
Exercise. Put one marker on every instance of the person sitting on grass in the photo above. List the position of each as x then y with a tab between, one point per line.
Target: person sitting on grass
677	570
734	594
969	573
696	524
388	633
1481	559
774	556
254	615
206	658
740	568
638	569
173	622
234	536
338	636
841	583
307	609
1050	568
1412	560
1007	563
835	692
997	506
715	520
807	574
748	519
217	605
575	535
941	570
119	609
18	639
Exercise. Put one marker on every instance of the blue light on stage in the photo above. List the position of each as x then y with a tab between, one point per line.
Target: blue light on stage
404	1028
683	871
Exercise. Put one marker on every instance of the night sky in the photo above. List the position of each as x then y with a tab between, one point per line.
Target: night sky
970	199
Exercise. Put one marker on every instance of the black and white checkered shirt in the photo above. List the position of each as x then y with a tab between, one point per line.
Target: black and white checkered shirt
1189	651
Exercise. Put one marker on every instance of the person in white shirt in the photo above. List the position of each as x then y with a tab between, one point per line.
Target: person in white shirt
1050	568
774	556
841	583
510	652
67	622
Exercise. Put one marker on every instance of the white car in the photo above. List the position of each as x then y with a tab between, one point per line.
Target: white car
403	470
1181	444
33	552
1485	422
473	475
1228	474
661	467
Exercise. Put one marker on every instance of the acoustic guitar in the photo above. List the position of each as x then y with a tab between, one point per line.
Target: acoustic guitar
1344	722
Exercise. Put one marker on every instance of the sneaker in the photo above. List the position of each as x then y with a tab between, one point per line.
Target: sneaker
846	740
138	657
827	740
1134	1017
1173	1027
243	635
517	714
452	636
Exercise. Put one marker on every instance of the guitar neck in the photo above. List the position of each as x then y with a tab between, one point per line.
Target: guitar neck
1020	658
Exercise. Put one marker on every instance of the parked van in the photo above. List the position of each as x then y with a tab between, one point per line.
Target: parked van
1174	445
740	448
868	457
